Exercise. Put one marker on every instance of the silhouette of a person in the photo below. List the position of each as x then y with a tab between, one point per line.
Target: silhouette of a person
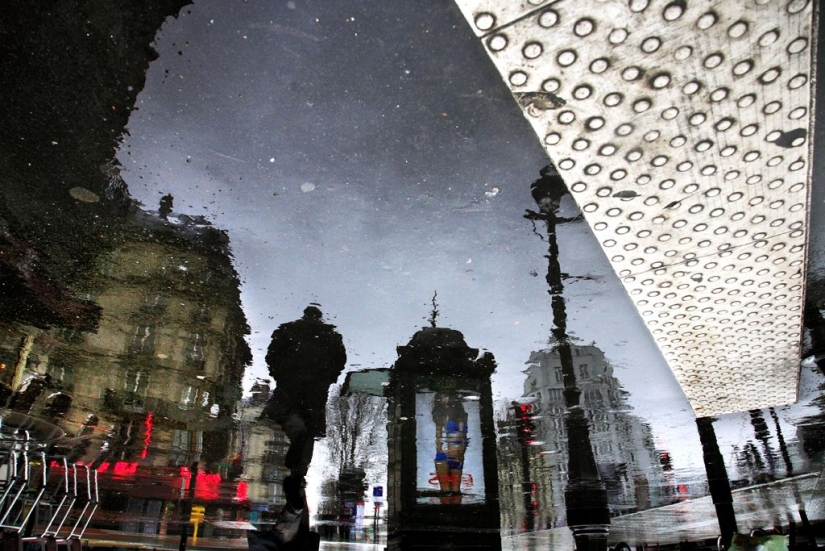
165	206
305	357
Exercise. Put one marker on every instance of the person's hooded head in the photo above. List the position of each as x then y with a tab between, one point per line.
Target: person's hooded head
312	313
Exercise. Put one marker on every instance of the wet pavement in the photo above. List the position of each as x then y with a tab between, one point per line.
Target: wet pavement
490	385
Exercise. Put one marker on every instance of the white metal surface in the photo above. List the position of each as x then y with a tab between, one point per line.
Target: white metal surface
682	129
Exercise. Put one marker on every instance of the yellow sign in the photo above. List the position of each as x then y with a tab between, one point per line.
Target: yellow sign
196	517
197	514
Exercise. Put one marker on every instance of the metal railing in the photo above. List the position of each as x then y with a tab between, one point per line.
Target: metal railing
45	502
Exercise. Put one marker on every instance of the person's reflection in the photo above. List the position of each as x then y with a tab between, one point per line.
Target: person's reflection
450	420
305	357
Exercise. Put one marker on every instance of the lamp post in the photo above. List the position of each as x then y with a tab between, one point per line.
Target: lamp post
718	482
585	496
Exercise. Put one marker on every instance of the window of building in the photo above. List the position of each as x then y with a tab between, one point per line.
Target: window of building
193	354
135	386
181	447
188	397
143	341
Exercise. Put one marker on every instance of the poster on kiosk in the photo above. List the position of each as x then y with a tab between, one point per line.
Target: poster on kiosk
449	448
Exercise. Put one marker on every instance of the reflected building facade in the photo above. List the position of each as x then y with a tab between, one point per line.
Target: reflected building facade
124	328
155	387
630	467
263	448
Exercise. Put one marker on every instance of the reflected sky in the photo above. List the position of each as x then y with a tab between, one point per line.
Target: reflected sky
365	157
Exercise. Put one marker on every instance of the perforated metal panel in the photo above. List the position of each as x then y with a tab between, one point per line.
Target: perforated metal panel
682	129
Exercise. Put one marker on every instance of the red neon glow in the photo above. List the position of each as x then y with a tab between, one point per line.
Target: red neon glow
125	468
207	486
147	435
186	475
242	491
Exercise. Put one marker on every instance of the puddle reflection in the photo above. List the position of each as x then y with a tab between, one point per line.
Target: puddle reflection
142	400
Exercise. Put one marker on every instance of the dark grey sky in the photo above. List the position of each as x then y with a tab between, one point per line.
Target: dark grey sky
363	155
